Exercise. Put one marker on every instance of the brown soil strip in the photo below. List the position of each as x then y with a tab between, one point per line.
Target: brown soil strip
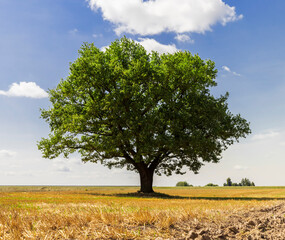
262	223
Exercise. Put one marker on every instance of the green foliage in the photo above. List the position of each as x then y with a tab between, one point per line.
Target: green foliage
236	184
229	182
244	182
183	184
211	185
147	112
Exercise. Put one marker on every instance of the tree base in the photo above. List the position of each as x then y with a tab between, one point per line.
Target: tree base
145	192
149	195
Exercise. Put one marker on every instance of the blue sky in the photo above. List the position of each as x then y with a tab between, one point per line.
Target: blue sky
38	40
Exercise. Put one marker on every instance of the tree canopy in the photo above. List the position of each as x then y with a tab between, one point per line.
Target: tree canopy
150	113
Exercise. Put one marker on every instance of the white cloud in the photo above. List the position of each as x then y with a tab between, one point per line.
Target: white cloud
73	31
237	74
227	69
152	45
25	89
97	35
157	16
239	167
184	38
104	48
6	154
266	135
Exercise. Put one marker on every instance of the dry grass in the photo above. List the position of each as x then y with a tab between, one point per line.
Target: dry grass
96	214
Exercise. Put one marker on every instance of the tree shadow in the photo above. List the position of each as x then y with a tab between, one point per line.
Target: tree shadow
149	195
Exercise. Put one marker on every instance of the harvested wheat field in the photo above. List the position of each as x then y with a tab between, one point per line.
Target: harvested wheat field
114	213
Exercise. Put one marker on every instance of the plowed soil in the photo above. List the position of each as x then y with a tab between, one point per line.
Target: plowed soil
258	223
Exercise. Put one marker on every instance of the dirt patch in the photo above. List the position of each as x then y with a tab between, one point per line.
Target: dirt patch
262	223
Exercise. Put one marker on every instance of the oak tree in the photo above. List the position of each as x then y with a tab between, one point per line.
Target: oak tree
150	113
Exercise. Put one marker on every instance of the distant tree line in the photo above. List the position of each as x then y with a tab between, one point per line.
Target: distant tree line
186	184
244	182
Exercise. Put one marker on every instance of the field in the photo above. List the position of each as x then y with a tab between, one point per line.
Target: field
43	212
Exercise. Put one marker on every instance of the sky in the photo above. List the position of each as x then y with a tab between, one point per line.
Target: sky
39	39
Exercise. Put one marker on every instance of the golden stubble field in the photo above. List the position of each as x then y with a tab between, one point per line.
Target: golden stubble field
111	213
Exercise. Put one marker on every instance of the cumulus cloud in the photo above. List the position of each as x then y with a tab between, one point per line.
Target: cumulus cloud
152	45
227	69
25	89
266	135
6	154
157	16
184	38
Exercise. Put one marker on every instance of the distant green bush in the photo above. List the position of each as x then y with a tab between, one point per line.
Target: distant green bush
183	184
211	185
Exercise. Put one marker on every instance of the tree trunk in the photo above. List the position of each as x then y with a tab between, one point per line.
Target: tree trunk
146	177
